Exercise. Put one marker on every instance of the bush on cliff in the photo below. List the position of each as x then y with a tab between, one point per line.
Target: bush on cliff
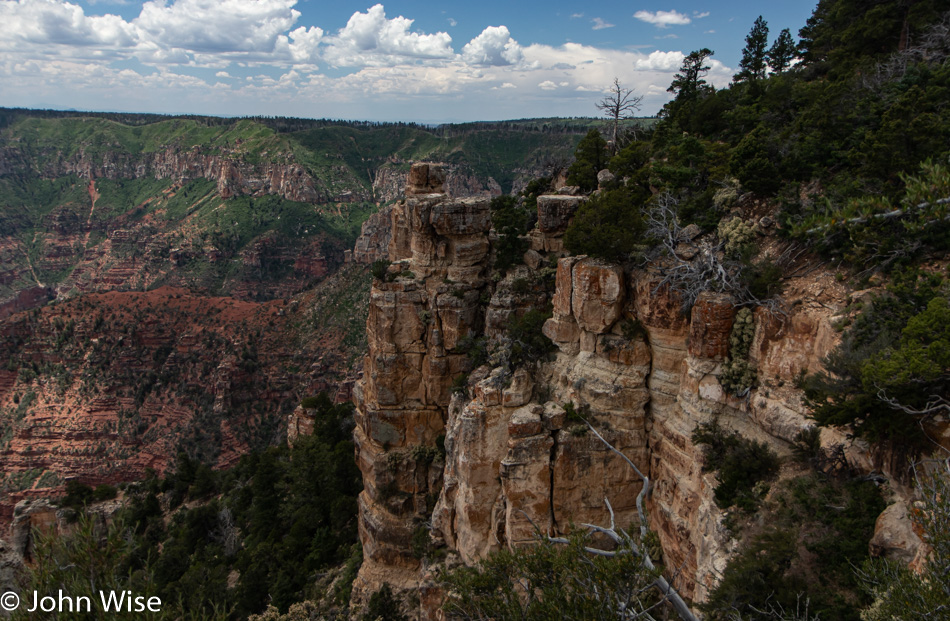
528	344
810	536
550	581
609	226
590	158
741	465
891	369
510	221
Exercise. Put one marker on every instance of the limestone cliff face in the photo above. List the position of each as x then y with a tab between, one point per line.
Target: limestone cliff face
477	467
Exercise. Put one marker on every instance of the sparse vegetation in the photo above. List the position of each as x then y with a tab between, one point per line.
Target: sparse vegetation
743	467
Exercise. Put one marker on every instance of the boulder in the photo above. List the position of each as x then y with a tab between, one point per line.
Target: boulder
894	537
425	178
597	294
555	212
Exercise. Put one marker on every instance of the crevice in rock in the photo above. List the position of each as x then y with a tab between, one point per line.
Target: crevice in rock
554	528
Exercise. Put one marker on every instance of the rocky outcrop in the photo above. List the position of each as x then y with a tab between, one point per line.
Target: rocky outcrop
415	324
516	458
555	213
895	538
390	183
375	235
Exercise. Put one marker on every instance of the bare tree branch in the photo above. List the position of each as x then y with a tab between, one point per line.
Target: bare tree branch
619	104
708	270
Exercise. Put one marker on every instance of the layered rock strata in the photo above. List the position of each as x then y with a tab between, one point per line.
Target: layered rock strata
484	463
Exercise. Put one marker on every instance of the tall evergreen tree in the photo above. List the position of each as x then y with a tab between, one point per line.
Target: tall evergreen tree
782	52
754	54
689	81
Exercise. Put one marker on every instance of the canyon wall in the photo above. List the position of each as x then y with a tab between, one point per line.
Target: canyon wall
475	459
230	169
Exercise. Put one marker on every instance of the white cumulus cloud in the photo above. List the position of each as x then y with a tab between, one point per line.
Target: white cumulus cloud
215	26
493	47
371	39
600	24
48	22
662	19
57	52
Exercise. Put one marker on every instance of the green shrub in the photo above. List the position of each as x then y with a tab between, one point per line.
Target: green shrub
380	270
421	543
475	347
520	286
608	226
762	279
752	164
460	384
424	454
383	605
590	158
310	403
511	221
552	581
741	464
633	329
813	534
77	494
528	343
104	492
896	348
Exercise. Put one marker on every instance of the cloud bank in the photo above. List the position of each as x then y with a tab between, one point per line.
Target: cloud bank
256	57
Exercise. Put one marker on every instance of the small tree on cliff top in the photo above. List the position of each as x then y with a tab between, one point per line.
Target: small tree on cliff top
590	158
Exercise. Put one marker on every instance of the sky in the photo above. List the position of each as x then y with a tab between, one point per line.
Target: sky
404	60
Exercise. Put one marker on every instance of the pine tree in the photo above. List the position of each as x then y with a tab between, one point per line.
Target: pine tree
754	55
689	80
782	52
590	158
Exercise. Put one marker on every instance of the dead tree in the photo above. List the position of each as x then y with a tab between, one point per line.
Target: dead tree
619	104
709	269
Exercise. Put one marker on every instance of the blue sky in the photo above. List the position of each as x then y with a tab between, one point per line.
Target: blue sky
399	60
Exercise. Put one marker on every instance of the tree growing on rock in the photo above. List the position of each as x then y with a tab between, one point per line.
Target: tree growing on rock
590	158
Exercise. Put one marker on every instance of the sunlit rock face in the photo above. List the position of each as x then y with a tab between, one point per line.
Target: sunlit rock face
485	460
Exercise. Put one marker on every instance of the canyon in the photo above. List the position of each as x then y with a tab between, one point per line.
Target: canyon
177	286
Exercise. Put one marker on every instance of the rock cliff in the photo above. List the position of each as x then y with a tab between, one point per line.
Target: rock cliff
475	459
232	171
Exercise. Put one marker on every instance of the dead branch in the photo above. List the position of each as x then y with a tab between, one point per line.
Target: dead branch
708	270
897	213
